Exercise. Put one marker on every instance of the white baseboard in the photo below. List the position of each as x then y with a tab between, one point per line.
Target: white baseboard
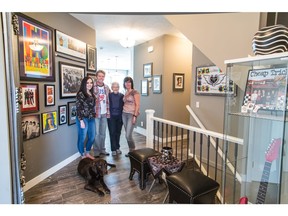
140	130
49	172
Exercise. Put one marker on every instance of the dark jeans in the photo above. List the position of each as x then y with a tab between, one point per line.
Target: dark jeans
115	126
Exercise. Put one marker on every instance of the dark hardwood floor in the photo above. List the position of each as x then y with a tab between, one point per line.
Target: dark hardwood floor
66	186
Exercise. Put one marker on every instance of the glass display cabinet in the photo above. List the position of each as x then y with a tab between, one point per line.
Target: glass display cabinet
257	113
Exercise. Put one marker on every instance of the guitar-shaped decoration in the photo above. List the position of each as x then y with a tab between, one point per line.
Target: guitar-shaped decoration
272	154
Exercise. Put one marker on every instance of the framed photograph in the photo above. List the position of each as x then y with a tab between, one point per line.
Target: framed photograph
72	113
157	84
70	46
265	90
29	97
144	87
178	81
49	121
211	80
147	70
35	50
91	61
92	75
62	112
30	126
70	79
49	94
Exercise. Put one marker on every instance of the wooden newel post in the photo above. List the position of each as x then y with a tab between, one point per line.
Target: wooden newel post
149	127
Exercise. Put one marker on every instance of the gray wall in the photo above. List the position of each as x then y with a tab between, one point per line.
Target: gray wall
51	148
171	55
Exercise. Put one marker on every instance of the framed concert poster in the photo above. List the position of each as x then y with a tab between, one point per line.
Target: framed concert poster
91	61
30	126
211	80
70	79
29	97
70	46
35	50
49	121
72	113
62	112
157	84
49	94
265	90
144	87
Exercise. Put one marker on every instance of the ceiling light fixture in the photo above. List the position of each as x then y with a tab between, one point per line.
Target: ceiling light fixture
127	42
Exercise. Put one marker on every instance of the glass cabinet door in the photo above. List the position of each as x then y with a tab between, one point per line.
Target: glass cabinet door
257	113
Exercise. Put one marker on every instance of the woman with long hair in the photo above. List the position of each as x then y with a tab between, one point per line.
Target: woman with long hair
131	110
85	120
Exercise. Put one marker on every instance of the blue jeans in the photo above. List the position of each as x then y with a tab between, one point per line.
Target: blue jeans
101	125
89	131
129	127
115	127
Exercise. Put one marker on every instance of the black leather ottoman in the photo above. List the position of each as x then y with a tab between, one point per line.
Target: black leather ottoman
139	163
190	186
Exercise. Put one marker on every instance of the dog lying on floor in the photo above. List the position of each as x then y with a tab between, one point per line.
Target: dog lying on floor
93	172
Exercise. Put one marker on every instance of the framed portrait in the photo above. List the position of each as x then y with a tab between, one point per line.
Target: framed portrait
92	75
62	113
29	97
91	61
49	121
35	50
49	91
211	80
70	46
178	81
30	126
70	79
72	113
157	84
147	70
144	87
265	90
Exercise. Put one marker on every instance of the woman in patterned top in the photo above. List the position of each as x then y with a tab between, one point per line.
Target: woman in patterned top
131	110
85	121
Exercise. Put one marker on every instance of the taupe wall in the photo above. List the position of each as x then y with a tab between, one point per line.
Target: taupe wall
51	148
171	55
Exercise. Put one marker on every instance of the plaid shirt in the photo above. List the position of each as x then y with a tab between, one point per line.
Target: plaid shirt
98	107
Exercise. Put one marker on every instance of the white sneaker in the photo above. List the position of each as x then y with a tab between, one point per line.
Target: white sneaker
114	153
118	151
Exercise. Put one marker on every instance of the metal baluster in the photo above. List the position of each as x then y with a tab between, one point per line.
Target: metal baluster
162	132
235	170
154	136
176	141
208	154
171	130
166	126
201	144
194	149
158	127
216	157
188	145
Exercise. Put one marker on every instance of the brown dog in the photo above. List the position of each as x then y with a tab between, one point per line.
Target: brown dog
93	172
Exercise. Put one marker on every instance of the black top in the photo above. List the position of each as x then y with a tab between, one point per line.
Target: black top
116	103
85	106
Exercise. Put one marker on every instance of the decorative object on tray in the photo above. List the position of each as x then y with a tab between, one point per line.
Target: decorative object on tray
270	39
167	153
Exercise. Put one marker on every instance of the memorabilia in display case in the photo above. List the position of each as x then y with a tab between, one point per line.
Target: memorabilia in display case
258	115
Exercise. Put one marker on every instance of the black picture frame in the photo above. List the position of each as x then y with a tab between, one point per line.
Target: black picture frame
49	121
62	114
70	76
178	81
91	59
29	97
144	87
147	70
69	45
35	50
157	84
212	81
49	95
72	113
30	126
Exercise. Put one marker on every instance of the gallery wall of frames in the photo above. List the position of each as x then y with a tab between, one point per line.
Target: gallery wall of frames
39	45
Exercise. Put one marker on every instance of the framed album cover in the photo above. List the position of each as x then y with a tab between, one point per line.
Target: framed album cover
29	97
30	126
62	112
49	94
49	121
72	113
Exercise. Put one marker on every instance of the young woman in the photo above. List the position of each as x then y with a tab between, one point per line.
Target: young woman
85	121
131	110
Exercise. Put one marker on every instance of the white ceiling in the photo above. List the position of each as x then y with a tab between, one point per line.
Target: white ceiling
111	28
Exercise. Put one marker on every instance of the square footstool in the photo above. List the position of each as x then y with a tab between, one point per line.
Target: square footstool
190	186
139	163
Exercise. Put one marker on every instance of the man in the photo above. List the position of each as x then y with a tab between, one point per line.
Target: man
102	113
